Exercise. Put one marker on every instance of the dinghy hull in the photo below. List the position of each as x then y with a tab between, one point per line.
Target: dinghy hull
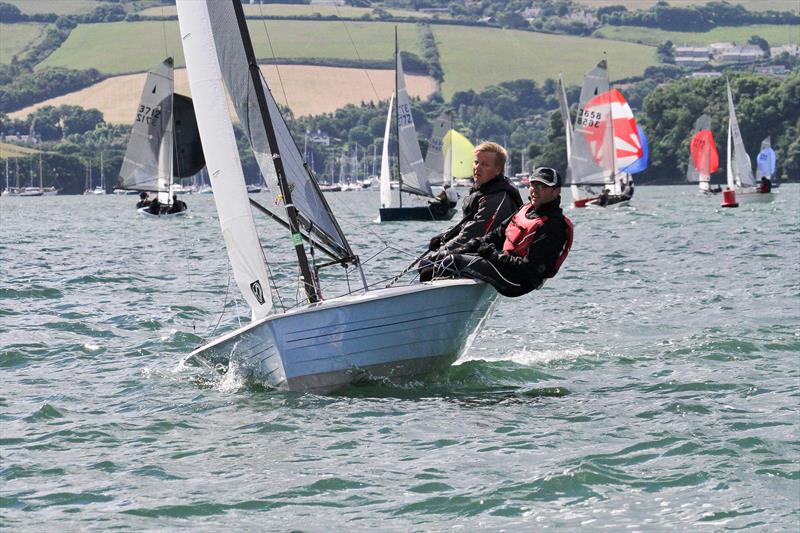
393	334
750	196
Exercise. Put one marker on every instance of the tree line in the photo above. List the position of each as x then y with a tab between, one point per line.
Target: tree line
522	115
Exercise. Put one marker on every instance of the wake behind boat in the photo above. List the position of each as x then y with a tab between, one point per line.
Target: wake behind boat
323	344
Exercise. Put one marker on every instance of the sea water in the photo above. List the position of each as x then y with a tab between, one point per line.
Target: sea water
653	385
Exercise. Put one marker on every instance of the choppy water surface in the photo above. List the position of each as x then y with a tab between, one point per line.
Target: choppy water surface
653	385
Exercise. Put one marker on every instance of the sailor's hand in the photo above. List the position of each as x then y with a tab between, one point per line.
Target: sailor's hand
471	246
435	243
486	251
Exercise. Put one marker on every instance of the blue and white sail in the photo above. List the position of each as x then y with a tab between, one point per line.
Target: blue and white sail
640	164
766	161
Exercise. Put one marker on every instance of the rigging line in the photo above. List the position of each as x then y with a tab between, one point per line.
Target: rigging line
222	312
350	38
272	51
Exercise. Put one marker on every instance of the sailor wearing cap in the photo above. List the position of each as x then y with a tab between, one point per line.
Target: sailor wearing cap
525	250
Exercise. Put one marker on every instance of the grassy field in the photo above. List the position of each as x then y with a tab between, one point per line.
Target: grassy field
15	37
11	150
293	10
465	57
750	5
306	90
120	47
59	7
774	34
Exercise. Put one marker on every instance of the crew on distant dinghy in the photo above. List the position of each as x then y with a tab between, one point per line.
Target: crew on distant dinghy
177	205
525	250
144	200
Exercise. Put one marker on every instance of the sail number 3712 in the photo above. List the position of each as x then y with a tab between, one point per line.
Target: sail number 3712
147	114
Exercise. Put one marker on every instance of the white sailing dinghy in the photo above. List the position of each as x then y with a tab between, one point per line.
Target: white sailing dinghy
394	333
605	139
164	144
414	177
741	182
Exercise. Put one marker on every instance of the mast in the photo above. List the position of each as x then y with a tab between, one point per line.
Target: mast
397	119
291	212
611	126
41	185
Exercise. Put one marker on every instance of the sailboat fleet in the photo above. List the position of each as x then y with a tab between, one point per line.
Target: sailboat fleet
31	190
395	332
742	185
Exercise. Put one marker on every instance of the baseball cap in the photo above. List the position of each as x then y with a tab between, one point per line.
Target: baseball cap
548	176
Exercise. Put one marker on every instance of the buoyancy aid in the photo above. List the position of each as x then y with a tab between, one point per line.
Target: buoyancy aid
521	231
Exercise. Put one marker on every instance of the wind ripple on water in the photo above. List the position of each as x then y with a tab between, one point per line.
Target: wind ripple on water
652	385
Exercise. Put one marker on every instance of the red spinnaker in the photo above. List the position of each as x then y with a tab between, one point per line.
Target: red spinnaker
627	145
704	153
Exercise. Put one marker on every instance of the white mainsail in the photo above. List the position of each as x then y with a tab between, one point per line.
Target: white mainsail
147	165
224	167
412	167
593	164
386	185
434	159
738	166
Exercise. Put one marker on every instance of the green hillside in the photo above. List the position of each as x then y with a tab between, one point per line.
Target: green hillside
750	5
302	10
59	7
774	34
117	48
123	47
15	37
477	57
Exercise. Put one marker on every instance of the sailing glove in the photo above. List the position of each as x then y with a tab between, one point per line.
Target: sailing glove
486	251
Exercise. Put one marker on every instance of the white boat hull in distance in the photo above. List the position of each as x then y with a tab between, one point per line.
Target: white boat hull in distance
394	334
750	196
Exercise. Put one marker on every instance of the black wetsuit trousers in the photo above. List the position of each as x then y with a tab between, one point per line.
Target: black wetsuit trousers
468	266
